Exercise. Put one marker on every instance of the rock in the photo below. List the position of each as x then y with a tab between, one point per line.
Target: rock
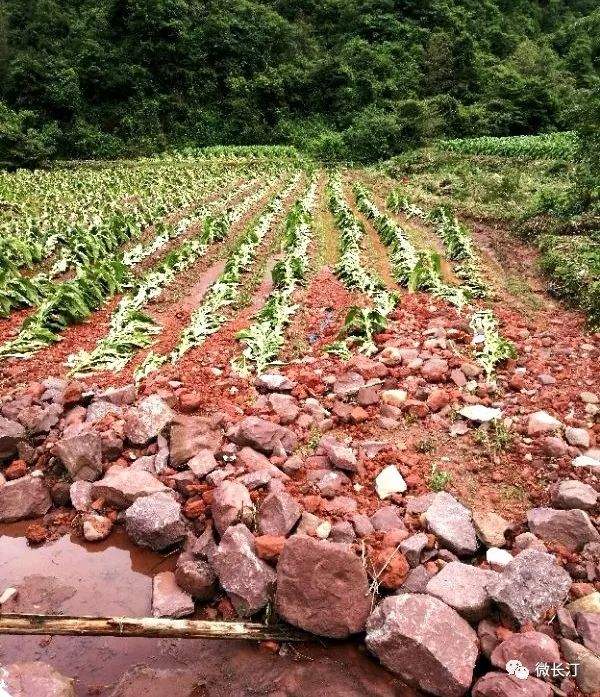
577	437
231	505
503	685
168	600
572	493
386	519
189	435
340	455
285	406
196	577
348	384
121	486
586	461
490	528
395	398
11	433
80	493
566	624
529	586
541	423
588	626
329	482
589	398
81	454
35	679
588	670
573	529
247	579
435	370
554	446
425	642
452	524
96	527
322	587
342	532
278	514
155	521
480	413
119	395
269	547
252	461
149	419
588	603
497	558
23	498
38	419
391	356
262	435
530	648
98	410
413	547
368	395
273	382
203	463
527	540
438	399
463	587
416	581
389	481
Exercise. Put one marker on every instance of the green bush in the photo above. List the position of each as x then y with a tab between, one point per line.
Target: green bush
22	142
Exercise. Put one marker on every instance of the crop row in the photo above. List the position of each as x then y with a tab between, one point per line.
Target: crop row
547	145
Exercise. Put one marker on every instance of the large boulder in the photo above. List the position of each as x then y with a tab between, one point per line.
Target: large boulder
149	419
155	521
504	685
26	497
529	586
530	648
11	432
424	641
121	486
168	599
247	579
278	514
322	587
81	454
262	435
231	504
190	435
463	587
452	524
35	679
573	528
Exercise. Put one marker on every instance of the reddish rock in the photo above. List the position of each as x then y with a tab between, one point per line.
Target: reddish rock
196	577
121	486
504	685
36	534
168	600
231	504
81	454
463	587
425	642
149	419
322	587
435	370
203	463
189	435
588	626
416	408
11	432
189	401
340	455
253	461
541	423
573	528
285	406
278	514
387	518
247	580
553	446
23	498
358	415
35	679
368	395
572	493
348	384
269	547
452	524
390	567
438	399
16	469
530	648
262	435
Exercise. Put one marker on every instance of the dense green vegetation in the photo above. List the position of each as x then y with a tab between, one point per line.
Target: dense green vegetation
363	79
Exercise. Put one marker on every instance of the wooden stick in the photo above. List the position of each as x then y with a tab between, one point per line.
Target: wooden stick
145	627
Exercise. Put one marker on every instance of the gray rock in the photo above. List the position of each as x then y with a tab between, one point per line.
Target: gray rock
26	497
121	486
262	435
572	528
452	524
81	454
203	463
11	432
231	504
529	586
387	518
425	642
340	455
413	546
195	577
155	521
572	493
577	437
146	421
80	493
463	587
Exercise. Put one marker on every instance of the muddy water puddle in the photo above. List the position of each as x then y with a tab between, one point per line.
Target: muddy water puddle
114	577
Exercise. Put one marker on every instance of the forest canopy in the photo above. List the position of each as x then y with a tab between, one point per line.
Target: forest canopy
363	79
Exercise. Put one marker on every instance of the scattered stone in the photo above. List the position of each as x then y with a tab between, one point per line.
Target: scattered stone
577	437
588	603
23	498
247	579
149	419
96	527
588	626
480	413
231	505
413	547
80	493
566	624
340	455
155	521
11	433
573	528
269	547
589	398
541	423
121	486
196	577
362	525
342	532
395	398
322	587
452	524
35	679
348	384
416	581
262	435
463	587
278	514
386	519
586	461
530	648
491	528
588	671
273	382
529	586
331	483
435	370
389	481
497	558
190	435
168	600
572	493
503	685
81	454
425	642
527	540
285	406
203	463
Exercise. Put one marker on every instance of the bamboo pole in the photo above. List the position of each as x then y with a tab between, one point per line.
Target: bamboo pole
151	627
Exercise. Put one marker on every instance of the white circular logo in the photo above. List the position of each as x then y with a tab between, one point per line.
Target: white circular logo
517	669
